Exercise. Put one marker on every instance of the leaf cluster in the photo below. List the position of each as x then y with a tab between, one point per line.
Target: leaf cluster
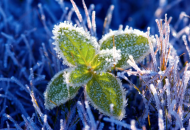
90	63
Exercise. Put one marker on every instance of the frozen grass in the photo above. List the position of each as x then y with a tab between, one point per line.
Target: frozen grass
158	89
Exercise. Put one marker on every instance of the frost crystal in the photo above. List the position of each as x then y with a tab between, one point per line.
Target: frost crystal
130	42
58	92
103	90
79	76
73	44
105	60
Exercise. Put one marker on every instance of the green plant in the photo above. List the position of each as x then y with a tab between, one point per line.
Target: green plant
90	63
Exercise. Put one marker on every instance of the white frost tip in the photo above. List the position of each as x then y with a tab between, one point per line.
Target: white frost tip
148	28
111	107
77	11
153	89
112	7
184	37
126	31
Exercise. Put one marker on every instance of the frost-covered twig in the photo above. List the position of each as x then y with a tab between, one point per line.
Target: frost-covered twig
12	120
186	44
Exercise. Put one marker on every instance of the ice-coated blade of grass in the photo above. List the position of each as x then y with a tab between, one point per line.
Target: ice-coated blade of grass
103	90
58	92
74	45
105	60
79	76
130	42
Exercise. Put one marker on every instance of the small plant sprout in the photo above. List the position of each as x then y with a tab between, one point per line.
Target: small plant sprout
90	64
71	65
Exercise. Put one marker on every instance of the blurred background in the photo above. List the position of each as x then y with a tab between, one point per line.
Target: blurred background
25	43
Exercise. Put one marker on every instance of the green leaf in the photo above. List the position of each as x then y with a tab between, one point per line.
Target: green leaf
105	60
58	92
74	45
130	42
103	90
79	76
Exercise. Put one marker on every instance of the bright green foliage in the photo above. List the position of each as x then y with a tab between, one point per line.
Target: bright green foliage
105	60
79	76
103	90
58	92
76	47
129	43
89	63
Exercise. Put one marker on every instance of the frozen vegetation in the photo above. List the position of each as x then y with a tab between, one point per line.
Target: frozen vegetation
78	65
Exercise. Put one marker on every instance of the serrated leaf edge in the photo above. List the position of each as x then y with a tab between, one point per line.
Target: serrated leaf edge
70	26
67	75
48	106
105	113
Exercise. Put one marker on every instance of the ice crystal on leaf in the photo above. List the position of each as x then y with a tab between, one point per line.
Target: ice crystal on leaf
89	63
130	42
79	76
74	45
105	60
103	90
58	92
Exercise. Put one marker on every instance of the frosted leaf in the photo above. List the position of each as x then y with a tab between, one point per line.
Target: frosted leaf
79	76
74	45
105	60
103	90
130	42
58	92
